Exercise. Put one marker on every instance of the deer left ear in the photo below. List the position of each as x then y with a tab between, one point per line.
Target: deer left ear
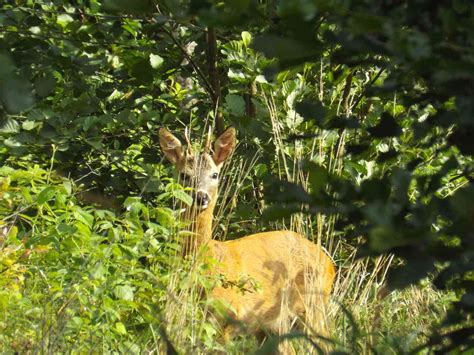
224	145
170	145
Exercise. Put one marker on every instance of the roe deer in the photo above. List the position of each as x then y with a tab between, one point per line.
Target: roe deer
283	264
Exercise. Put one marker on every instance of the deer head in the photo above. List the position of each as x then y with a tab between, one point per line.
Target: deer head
199	171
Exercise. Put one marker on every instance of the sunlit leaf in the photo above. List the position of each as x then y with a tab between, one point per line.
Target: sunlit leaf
10	125
124	292
156	61
246	38
183	197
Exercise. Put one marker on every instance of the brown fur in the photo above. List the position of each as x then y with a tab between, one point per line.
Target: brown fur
262	273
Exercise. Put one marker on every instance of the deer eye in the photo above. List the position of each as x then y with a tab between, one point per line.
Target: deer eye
215	176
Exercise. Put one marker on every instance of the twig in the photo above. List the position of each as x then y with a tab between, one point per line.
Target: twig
198	70
381	70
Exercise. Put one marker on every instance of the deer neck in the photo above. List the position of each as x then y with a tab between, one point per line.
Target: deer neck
201	228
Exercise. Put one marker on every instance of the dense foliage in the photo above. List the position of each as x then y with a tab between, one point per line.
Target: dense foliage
384	89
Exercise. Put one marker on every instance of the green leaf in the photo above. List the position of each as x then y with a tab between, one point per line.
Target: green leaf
64	19
311	110
238	75
260	170
10	126
318	176
164	216
83	216
38	115
235	104
46	194
45	85
12	143
278	211
67	186
142	70
7	67
16	95
124	292
246	38
156	61
183	197
28	125
384	238
64	228
120	328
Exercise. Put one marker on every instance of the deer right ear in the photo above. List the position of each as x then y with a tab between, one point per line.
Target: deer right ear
224	145
170	145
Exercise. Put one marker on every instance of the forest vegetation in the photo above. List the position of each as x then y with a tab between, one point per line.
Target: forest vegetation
355	126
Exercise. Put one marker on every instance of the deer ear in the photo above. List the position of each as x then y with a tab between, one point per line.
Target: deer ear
224	145
170	145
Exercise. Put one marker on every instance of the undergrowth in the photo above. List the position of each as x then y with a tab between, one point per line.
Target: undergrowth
81	279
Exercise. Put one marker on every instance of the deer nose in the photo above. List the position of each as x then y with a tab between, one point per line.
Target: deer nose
202	198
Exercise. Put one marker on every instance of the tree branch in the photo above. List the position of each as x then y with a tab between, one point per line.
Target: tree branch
211	52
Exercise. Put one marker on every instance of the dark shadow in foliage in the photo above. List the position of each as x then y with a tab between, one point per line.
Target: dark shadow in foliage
136	6
288	51
419	264
315	112
387	127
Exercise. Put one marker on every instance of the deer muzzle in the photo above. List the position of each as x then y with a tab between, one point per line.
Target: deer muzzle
202	199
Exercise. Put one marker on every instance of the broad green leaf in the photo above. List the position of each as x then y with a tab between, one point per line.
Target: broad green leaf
28	125
238	75
279	211
64	228
183	197
164	216
45	85
16	95
311	110
46	194
10	125
235	104
83	216
7	67
64	19
38	115
156	61
124	292
142	70
67	186
246	38
120	328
